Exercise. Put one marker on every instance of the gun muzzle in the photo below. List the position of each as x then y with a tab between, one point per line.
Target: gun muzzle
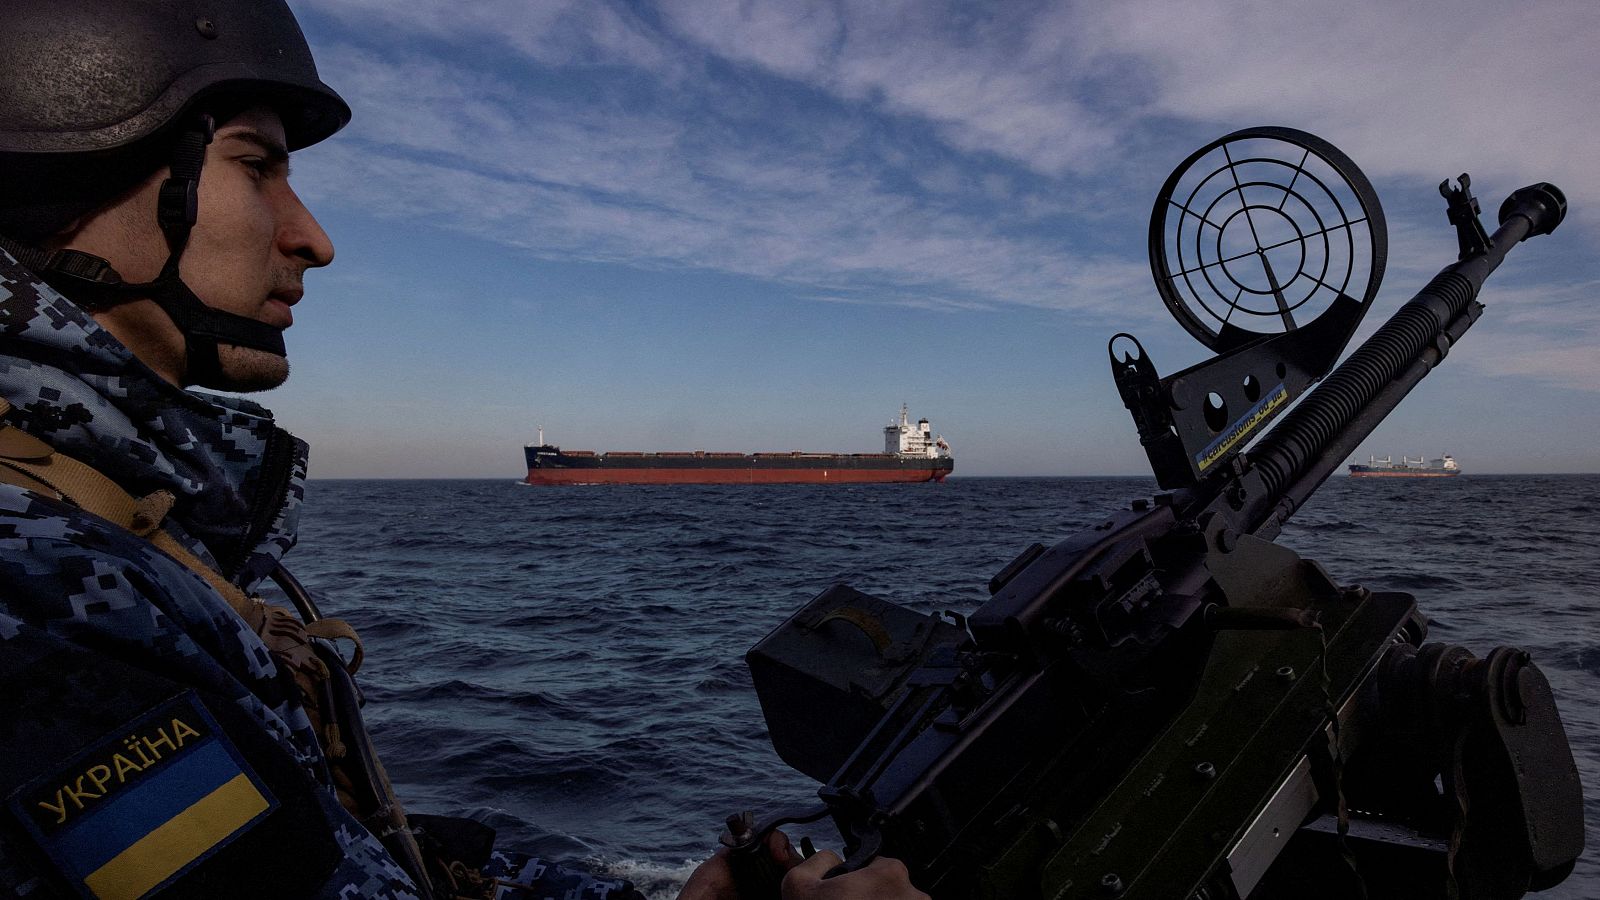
1542	204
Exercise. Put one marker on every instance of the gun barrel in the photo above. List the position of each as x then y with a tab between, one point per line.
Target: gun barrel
1301	451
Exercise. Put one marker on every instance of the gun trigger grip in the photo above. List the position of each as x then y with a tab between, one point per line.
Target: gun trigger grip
865	852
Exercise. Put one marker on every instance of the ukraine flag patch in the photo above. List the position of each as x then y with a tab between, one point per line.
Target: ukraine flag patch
146	804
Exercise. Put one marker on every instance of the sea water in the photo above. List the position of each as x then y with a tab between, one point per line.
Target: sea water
565	664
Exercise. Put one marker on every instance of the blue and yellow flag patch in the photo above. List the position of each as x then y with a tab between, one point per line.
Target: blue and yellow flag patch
146	804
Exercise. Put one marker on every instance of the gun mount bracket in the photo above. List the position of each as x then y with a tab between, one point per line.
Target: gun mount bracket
1268	246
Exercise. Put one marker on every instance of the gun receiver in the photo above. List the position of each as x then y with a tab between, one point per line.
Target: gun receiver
1165	705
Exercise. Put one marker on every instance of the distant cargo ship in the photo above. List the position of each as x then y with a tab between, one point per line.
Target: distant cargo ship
1443	467
910	453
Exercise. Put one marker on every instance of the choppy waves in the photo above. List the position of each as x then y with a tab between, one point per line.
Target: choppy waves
565	664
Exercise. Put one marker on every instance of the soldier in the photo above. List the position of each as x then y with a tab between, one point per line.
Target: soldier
161	727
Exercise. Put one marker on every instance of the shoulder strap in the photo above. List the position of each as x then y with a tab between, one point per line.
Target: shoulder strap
29	462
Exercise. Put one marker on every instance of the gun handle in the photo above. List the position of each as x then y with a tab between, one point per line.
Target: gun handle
756	875
868	845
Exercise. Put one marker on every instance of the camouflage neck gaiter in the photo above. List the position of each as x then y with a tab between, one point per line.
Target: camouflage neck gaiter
238	478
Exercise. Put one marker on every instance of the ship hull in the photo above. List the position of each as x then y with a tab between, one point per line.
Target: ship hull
547	466
724	476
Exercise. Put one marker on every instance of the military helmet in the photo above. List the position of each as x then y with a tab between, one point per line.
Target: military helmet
96	95
96	75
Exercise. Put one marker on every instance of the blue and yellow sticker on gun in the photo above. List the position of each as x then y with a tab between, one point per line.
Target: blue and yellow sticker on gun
141	807
1242	428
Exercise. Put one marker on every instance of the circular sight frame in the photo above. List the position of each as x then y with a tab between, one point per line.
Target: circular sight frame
1260	232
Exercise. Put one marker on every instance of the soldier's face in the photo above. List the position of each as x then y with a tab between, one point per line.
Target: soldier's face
250	247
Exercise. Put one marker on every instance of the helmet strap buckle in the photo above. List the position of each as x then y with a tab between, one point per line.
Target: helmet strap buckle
178	206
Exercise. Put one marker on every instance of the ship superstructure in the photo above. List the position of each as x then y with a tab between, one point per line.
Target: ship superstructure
918	441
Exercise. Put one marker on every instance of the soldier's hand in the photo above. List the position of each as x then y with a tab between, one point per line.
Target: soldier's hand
713	879
883	879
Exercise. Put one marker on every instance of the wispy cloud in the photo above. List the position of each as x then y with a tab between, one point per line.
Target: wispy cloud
551	32
1544	333
1407	89
829	205
931	155
990	81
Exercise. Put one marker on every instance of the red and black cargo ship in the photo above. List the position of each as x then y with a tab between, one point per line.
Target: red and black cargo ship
911	453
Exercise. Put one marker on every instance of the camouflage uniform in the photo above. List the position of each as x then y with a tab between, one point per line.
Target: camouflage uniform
97	628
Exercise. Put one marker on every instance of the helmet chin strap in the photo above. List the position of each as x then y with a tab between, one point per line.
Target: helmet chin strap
92	282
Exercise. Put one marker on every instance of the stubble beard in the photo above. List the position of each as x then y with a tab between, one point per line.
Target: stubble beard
245	369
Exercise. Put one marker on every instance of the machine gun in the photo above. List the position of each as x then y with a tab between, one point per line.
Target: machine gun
1170	705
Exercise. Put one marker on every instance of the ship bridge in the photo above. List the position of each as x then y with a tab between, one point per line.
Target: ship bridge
905	439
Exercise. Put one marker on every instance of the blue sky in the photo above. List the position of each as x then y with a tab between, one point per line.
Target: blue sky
753	225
